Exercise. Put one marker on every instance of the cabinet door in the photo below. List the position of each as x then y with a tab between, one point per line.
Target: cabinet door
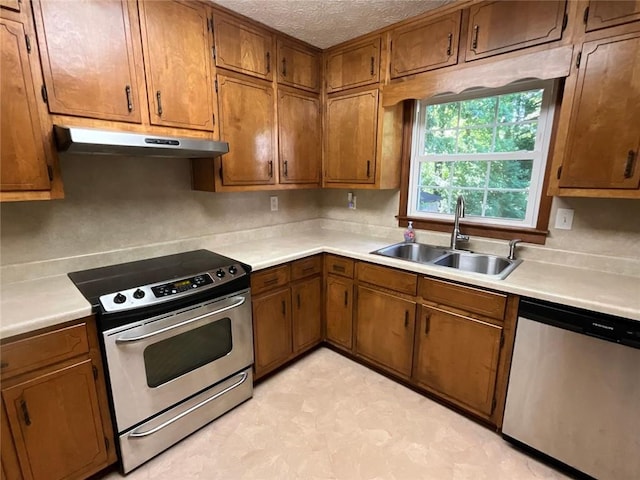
247	123
425	46
339	313
272	330
499	27
88	58
11	4
608	13
24	152
55	420
307	318
385	325
298	66
353	66
177	58
352	123
242	47
604	131
299	133
458	357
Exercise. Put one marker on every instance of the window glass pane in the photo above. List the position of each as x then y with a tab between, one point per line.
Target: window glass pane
510	174
440	141
519	106
515	138
476	140
479	111
429	199
470	174
510	205
435	173
444	115
472	202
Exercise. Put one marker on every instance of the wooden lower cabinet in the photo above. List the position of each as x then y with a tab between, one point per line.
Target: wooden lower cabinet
306	297
272	330
457	356
385	326
339	311
55	419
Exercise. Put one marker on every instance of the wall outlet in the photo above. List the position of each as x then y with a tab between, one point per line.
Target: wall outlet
564	218
274	203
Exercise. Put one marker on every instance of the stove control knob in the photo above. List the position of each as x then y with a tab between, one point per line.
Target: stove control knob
119	298
233	270
220	273
138	294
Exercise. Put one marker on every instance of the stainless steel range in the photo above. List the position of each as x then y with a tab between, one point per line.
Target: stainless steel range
178	345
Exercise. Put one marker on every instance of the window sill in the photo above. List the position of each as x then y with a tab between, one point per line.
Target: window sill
529	235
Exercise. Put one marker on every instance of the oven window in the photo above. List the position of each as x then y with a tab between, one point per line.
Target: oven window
175	356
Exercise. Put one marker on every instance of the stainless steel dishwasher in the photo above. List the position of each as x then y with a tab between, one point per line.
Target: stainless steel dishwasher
574	389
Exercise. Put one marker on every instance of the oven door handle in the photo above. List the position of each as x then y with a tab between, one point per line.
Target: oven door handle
125	339
135	434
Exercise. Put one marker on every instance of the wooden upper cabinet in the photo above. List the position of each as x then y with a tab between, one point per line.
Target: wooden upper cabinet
88	58
300	134
425	45
243	47
609	13
350	136
24	154
11	4
247	122
353	66
55	420
603	140
298	66
177	56
502	26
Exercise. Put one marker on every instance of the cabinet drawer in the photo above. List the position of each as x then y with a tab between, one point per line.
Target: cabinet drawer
269	279
45	349
306	267
339	265
384	277
482	302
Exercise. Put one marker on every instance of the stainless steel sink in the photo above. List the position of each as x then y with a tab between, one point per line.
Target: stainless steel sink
415	252
476	263
491	265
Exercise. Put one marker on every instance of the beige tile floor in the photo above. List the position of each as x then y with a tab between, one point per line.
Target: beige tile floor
326	417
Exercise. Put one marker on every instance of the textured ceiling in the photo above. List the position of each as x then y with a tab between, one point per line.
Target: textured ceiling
324	23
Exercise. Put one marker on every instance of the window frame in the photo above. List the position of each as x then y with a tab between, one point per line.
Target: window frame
477	227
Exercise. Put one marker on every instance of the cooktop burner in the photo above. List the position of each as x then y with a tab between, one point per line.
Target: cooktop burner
162	280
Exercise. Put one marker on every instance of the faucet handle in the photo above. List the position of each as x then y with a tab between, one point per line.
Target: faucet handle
512	248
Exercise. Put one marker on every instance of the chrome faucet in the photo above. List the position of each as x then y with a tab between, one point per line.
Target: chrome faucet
456	236
512	248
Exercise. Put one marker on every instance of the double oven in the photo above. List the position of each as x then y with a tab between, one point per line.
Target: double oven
177	340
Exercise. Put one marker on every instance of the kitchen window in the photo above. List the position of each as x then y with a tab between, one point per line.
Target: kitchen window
488	145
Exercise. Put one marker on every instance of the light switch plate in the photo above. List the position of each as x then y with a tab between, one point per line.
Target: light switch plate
564	218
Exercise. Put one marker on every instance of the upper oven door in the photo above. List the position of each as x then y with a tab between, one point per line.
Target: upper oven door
157	363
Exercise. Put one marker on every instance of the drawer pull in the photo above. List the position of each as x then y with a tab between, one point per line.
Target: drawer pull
406	318
284	308
273	281
127	92
373	64
159	101
628	166
346	298
269	62
474	43
298	301
310	268
286	169
427	324
450	44
368	168
270	163
284	67
25	412
338	268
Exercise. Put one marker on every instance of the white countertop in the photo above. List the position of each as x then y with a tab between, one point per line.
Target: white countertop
30	305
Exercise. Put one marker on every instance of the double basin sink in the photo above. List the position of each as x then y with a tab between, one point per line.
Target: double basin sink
491	266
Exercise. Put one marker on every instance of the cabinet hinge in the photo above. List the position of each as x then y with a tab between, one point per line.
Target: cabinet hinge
27	40
585	17
559	174
106	443
50	172
565	20
215	83
95	372
45	97
578	59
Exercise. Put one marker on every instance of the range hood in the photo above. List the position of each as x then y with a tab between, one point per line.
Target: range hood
106	142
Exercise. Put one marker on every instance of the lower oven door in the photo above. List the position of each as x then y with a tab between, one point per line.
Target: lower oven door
158	362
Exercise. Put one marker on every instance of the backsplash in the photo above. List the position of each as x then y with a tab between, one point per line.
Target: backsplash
113	203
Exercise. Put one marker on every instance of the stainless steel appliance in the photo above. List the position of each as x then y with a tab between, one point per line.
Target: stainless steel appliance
178	345
574	389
